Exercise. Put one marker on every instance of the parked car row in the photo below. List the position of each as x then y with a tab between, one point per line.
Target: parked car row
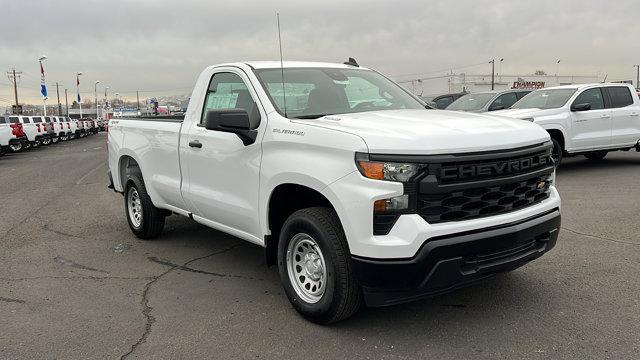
18	133
586	119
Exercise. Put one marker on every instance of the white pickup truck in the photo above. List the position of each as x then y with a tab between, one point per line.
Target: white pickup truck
589	120
355	190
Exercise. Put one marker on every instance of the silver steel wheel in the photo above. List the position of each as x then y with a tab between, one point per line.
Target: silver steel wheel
15	147
306	268
134	205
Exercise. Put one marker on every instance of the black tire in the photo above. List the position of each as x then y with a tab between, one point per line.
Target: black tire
596	155
152	219
3	150
557	152
342	296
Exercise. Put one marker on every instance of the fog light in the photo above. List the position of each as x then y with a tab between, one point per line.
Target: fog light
393	204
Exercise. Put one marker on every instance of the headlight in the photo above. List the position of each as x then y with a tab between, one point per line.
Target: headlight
391	171
528	119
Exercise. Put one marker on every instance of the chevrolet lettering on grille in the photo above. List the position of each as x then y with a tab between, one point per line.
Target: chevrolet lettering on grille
491	168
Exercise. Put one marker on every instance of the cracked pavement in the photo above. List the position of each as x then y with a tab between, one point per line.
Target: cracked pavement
76	284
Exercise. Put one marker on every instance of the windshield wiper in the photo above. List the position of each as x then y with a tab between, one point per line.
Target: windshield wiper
316	116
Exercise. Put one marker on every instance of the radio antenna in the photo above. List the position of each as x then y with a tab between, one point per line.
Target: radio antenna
284	93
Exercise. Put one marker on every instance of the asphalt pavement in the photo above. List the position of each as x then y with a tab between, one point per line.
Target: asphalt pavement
76	284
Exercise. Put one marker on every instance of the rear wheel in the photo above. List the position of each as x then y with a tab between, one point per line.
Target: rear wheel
596	155
314	266
3	150
145	220
55	139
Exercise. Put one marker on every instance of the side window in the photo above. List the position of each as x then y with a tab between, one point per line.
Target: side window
522	94
620	96
591	96
503	101
228	91
26	120
14	120
443	102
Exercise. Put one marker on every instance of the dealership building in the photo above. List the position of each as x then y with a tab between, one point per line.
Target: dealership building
455	83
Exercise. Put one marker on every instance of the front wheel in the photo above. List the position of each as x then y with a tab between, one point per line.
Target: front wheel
314	266
145	220
55	140
16	147
596	155
556	153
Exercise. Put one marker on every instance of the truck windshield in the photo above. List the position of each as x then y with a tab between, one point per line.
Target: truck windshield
545	99
310	93
471	102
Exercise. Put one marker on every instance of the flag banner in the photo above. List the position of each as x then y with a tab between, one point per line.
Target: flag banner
78	86
43	86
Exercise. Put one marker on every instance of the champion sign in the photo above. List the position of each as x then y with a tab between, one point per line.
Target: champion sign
528	84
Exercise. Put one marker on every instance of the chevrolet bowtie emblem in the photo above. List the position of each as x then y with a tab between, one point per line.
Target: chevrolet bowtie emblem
541	184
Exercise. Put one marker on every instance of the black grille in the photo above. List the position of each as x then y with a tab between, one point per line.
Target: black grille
483	186
483	201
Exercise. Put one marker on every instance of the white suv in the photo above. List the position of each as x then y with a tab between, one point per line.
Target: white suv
589	120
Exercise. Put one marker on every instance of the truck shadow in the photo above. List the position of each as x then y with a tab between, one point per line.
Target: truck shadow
509	297
615	161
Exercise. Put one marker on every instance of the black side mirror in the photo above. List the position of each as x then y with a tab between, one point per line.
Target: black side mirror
496	107
581	107
232	121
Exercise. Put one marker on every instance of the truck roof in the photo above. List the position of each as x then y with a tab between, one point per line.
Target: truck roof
289	64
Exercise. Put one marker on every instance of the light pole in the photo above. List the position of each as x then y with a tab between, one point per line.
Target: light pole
493	72
557	68
78	88
637	76
43	86
95	94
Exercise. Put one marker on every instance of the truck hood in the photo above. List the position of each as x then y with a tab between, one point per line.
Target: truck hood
528	113
433	131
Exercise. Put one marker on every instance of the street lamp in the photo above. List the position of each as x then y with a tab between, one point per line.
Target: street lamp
43	86
637	76
95	94
78	88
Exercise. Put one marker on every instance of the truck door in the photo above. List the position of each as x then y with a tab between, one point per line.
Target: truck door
222	180
625	119
591	129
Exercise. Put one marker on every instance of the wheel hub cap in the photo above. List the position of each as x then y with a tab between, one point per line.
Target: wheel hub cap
306	268
135	207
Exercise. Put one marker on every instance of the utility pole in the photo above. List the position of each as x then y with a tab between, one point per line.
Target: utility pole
637	76
14	76
138	99
66	101
493	72
59	105
493	75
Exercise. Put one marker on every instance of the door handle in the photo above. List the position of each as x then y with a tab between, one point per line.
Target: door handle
634	114
605	116
195	144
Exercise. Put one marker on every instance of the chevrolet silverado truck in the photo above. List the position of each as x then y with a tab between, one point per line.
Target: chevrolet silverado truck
357	191
589	119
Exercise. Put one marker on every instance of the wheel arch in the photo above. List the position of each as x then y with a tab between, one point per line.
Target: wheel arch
558	135
284	200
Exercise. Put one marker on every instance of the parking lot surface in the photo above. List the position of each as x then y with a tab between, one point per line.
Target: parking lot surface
75	282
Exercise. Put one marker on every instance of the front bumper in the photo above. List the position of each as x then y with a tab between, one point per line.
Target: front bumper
452	261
